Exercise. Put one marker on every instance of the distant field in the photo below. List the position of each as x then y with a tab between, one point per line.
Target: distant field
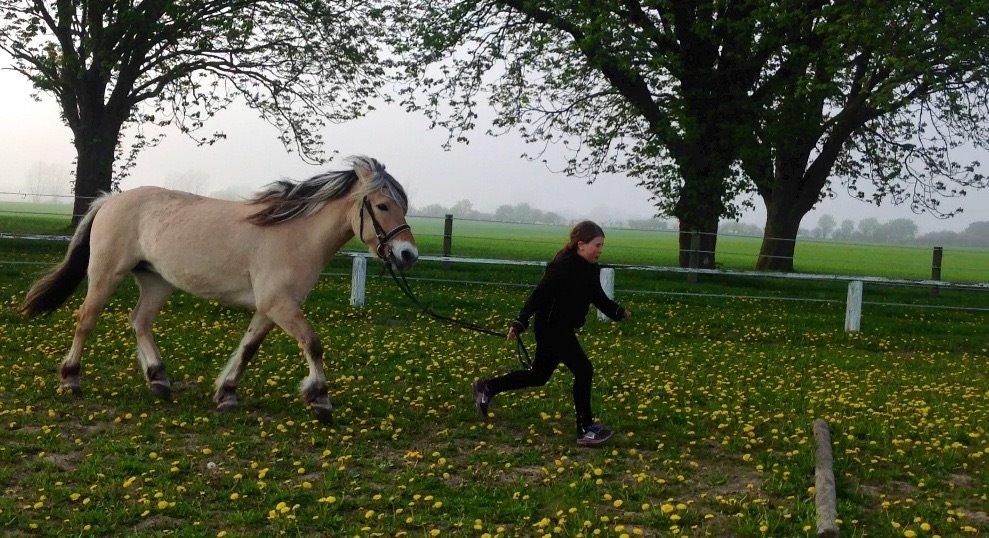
538	242
27	217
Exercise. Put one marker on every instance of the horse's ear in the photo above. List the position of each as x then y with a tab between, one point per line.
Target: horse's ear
364	167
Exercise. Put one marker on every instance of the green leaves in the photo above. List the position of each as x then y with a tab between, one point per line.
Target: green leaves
299	64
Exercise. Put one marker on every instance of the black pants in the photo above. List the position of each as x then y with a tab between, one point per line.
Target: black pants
552	349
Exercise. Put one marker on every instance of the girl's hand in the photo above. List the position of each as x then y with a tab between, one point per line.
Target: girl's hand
628	314
511	333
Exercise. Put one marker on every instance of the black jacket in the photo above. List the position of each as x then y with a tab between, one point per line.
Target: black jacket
560	301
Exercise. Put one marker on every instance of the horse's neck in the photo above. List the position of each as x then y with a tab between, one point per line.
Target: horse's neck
329	228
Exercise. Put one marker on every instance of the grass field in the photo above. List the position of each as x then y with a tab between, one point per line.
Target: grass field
537	242
713	400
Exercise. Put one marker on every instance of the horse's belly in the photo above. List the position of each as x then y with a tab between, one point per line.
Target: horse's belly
225	287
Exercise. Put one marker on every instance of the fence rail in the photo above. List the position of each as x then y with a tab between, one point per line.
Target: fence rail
853	300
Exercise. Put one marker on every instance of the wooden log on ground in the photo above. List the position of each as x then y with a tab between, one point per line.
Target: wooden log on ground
825	497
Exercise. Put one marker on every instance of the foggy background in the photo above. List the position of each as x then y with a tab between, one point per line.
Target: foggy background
37	154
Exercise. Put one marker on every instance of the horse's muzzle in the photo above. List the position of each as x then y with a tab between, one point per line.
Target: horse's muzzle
404	254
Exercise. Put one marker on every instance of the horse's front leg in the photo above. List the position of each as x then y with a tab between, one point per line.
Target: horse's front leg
313	388
226	384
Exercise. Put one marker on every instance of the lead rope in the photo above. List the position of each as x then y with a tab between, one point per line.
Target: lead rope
403	284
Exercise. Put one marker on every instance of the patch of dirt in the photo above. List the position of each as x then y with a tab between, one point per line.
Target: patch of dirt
77	428
981	518
727	479
65	462
184	385
961	481
158	522
902	488
722	474
312	477
871	491
526	473
214	471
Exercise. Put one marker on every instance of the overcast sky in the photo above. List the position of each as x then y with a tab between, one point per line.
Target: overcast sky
488	172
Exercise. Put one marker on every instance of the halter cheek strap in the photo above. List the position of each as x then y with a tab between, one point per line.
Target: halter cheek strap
379	231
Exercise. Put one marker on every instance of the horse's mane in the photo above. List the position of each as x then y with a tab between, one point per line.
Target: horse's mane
285	200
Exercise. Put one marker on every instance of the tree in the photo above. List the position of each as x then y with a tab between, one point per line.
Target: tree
648	224
46	181
659	91
825	226
845	232
898	231
464	209
869	229
739	228
431	210
977	234
112	65
877	95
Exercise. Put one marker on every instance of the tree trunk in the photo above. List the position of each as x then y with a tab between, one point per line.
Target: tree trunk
708	229
699	205
780	237
94	168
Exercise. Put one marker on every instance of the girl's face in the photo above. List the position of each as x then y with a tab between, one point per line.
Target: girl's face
591	251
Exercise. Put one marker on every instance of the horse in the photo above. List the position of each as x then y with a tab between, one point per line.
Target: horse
264	254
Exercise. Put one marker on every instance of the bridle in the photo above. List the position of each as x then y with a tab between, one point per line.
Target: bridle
379	231
385	254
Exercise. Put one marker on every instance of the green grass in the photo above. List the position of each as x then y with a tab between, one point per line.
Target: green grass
35	218
538	242
713	400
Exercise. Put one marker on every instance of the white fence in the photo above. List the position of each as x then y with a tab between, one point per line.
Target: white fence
853	302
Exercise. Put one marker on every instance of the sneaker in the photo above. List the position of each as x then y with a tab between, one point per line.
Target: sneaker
594	435
482	398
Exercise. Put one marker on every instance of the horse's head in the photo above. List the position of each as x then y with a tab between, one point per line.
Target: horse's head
379	218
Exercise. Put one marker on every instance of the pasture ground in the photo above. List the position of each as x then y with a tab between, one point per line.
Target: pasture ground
713	400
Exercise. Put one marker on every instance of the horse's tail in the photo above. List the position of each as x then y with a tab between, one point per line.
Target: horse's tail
57	285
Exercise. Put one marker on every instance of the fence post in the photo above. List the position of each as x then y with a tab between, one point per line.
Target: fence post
853	307
936	268
608	285
358	276
825	498
447	238
695	247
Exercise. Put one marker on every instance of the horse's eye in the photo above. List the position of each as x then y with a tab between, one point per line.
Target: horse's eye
382	207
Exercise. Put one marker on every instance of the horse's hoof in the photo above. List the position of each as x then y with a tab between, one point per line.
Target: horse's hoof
227	406
323	412
162	390
74	388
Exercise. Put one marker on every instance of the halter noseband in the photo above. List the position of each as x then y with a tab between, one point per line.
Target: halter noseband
379	231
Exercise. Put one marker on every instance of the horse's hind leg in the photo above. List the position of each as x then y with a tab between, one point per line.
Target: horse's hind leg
98	291
313	388
155	291
226	384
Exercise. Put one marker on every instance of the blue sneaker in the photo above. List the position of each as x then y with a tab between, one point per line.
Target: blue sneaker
482	398
594	435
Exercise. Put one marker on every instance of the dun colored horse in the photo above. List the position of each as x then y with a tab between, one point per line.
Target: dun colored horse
264	254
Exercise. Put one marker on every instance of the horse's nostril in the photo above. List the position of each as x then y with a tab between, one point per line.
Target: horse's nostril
408	257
